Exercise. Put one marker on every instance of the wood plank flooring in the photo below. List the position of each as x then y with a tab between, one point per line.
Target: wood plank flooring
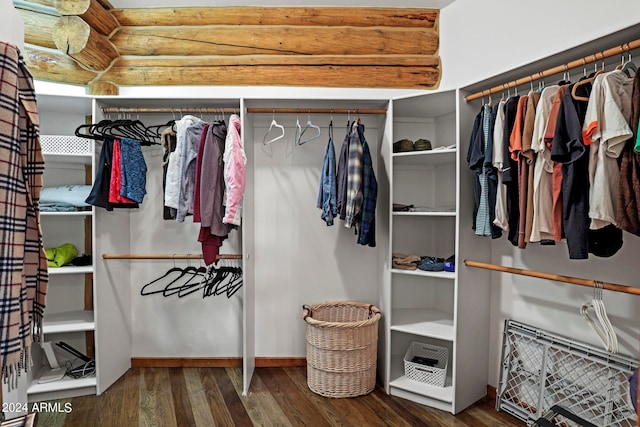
207	397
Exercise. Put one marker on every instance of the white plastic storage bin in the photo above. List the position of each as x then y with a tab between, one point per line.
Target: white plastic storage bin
434	375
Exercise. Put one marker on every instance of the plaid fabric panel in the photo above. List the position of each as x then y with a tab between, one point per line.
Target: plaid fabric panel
23	268
354	178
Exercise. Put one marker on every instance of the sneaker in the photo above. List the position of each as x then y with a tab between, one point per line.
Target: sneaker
430	263
450	264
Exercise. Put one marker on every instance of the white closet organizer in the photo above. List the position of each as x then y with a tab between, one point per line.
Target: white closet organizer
432	307
69	315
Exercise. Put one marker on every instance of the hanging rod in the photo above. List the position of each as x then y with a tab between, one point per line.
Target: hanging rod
188	110
315	111
556	277
167	256
558	69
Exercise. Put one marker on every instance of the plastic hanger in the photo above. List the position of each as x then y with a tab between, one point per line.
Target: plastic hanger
309	125
603	328
273	125
629	68
584	82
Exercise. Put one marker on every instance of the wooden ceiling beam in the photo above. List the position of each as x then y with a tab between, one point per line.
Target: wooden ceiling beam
81	42
91	12
290	16
38	27
269	40
54	66
36	6
405	71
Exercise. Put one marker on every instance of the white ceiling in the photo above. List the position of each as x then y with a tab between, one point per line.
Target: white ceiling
437	4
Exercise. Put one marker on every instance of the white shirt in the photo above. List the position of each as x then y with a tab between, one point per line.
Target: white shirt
606	126
501	219
542	222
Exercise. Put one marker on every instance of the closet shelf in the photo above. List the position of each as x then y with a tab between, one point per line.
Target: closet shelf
427	322
66	383
444	394
71	270
426	157
63	214
436	274
71	321
442	212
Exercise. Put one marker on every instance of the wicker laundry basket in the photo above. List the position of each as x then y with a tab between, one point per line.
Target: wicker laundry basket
342	349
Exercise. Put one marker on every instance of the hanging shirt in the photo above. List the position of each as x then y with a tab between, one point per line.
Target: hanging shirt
606	129
510	169
234	162
194	135
542	223
556	175
354	178
525	165
501	219
213	231
367	223
168	146
328	189
172	189
134	170
115	185
341	177
628	211
568	148
483	219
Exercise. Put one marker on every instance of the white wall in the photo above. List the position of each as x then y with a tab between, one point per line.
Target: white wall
480	40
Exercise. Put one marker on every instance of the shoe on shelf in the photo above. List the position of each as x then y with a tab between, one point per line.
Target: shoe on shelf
431	263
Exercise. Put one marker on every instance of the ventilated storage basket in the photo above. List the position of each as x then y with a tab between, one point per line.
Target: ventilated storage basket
434	375
341	348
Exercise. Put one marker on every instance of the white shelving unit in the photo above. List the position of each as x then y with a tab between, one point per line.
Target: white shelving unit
429	306
66	318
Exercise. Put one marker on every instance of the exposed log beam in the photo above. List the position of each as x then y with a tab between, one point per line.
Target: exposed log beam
273	40
40	7
48	3
102	88
54	66
406	71
91	12
290	16
77	39
38	28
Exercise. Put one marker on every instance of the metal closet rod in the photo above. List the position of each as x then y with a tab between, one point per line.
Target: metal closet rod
167	256
315	111
188	110
618	50
556	277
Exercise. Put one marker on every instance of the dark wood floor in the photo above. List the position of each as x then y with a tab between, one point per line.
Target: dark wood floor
207	397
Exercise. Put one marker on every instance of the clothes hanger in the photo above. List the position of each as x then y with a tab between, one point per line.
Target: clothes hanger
629	68
604	328
273	125
308	126
172	270
584	82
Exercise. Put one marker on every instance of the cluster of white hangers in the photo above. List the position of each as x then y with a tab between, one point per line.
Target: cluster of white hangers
314	131
603	326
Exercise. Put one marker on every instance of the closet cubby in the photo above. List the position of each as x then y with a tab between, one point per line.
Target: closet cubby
430	307
69	314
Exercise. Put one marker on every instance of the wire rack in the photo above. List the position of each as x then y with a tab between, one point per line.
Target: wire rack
540	369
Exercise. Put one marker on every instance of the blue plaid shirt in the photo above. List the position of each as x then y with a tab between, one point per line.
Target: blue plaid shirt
367	234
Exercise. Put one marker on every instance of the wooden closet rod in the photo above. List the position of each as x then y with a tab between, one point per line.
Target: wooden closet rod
167	256
558	69
314	110
556	277
188	110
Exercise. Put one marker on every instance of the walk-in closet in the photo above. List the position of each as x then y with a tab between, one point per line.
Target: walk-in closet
194	207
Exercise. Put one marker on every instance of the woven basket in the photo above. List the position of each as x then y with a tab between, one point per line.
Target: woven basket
341	348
